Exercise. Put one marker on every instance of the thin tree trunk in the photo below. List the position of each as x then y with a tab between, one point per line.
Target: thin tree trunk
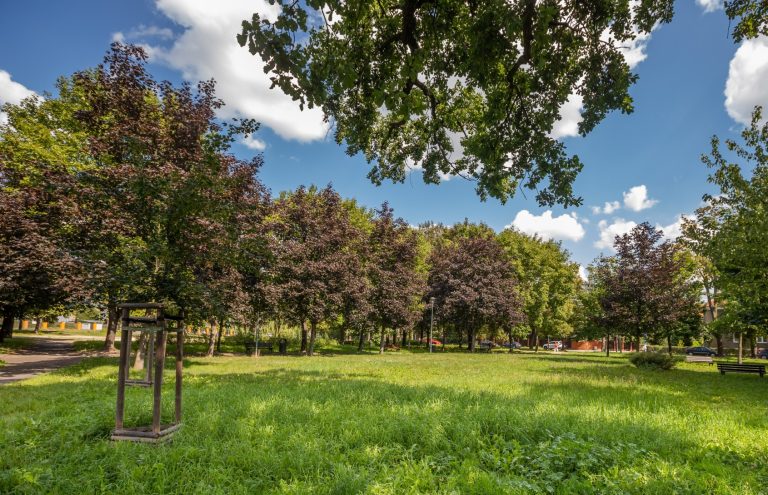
361	341
607	346
405	338
141	351
536	340
218	337
669	344
303	336
212	338
741	347
313	334
37	325
471	339
109	340
381	342
719	340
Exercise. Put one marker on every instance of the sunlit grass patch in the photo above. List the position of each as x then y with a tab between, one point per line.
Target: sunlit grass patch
398	423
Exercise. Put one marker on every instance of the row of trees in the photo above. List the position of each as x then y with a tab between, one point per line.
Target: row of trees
123	188
659	289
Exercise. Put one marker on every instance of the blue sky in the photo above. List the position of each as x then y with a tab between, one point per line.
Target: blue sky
643	166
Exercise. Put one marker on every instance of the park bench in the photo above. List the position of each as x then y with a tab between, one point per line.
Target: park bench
250	347
699	359
741	368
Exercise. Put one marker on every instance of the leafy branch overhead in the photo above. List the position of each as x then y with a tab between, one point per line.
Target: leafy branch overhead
466	88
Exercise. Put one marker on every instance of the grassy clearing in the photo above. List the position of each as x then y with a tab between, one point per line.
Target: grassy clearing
399	423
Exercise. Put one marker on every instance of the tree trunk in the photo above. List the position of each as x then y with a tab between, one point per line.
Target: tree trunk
669	344
7	329
511	347
218	337
141	351
361	341
405	338
607	345
719	340
313	334
212	338
471	339
535	335
303	336
752	345
112	317
37	325
381	341
621	345
741	347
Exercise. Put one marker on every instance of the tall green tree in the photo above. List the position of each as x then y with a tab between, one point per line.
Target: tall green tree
42	151
396	284
549	283
458	87
738	219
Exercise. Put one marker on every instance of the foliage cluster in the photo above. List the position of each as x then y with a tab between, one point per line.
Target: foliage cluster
654	360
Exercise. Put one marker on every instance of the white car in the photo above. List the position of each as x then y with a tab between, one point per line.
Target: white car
552	345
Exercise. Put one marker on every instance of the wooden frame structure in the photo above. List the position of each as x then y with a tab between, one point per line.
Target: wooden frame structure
157	432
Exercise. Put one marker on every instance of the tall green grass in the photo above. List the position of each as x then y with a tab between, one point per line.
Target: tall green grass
398	423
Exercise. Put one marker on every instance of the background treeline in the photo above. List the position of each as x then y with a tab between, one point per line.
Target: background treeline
122	188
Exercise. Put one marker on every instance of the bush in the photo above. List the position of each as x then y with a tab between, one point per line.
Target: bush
654	360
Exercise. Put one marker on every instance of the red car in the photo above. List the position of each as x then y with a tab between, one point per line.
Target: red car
434	341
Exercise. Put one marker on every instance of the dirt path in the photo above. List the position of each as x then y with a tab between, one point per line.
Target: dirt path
41	356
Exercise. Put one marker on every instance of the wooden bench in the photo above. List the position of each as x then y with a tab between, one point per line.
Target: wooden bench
699	359
741	368
250	347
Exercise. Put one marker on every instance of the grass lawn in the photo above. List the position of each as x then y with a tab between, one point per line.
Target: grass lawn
399	423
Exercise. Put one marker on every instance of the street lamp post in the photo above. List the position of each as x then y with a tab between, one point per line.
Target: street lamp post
431	320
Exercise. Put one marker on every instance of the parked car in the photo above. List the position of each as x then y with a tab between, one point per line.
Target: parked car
553	344
488	343
513	345
700	351
435	342
762	353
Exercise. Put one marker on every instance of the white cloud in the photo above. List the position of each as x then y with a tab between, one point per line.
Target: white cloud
608	208
254	144
564	227
207	49
583	273
673	230
570	116
747	75
636	199
11	92
609	231
710	5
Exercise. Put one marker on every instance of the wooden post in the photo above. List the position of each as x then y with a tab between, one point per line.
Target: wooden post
125	346
179	366
159	365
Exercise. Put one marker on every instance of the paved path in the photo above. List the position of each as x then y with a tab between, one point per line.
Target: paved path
41	356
